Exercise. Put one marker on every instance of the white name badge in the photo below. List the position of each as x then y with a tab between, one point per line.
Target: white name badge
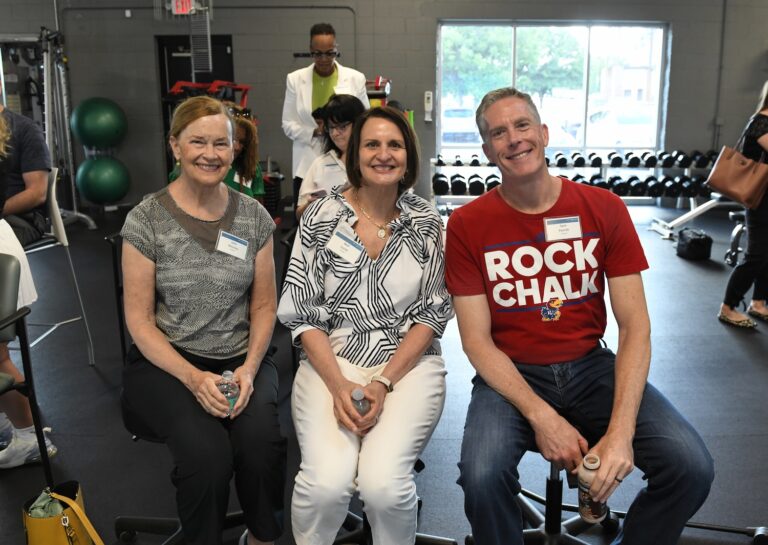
343	245
232	245
566	228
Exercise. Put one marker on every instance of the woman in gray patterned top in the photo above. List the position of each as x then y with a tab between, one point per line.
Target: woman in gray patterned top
200	299
365	299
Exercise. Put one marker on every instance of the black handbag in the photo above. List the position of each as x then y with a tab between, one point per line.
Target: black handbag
694	244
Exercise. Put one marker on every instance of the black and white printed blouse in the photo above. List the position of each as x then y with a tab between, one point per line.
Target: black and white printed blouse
366	306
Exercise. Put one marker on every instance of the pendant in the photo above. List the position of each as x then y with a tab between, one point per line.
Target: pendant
381	233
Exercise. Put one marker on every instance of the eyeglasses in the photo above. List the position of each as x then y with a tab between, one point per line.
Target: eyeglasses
241	112
332	54
341	127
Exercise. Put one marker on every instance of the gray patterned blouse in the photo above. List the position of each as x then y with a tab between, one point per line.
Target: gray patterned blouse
202	296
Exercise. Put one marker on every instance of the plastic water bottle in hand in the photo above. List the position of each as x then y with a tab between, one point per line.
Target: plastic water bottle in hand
228	386
360	402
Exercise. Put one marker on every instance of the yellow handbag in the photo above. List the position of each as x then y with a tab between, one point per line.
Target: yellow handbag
48	522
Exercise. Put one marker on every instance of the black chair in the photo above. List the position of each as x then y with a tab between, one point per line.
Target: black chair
357	531
549	528
115	242
127	527
12	325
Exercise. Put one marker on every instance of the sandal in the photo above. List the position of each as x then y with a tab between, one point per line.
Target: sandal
746	323
759	315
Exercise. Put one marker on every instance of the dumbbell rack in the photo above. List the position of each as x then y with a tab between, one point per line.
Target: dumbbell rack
484	170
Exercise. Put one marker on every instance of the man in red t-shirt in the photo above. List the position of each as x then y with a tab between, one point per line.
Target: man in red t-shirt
528	264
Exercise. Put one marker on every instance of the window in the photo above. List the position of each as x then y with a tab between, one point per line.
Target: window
597	87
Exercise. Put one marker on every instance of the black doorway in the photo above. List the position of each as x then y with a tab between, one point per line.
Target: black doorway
175	64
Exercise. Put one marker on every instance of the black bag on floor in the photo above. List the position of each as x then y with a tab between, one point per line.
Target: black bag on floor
694	244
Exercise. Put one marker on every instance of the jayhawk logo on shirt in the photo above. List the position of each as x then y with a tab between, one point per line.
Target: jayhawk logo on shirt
551	311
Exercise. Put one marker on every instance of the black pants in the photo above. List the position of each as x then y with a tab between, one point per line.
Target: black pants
28	227
207	450
754	268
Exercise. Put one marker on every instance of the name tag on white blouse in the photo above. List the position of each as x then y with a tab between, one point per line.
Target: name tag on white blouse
566	228
232	245
344	245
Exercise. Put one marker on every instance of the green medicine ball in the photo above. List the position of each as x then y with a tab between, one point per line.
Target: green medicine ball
98	123
103	180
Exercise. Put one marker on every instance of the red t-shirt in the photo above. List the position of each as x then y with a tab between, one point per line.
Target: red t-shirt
543	274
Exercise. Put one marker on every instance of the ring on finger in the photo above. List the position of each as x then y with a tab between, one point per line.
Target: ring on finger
619	480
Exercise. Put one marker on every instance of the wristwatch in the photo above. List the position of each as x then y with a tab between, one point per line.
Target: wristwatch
384	380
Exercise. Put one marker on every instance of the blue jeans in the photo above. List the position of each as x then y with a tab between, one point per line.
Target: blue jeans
667	449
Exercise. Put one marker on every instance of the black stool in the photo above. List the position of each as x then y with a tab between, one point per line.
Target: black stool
732	255
357	531
548	528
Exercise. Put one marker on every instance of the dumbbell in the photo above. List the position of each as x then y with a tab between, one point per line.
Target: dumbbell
600	182
699	159
682	159
649	159
672	187
619	186
579	178
458	162
633	161
546	158
578	159
595	160
712	154
476	185
491	181
561	160
440	161
475	162
666	159
700	181
458	185
637	187
688	186
440	184
615	159
654	188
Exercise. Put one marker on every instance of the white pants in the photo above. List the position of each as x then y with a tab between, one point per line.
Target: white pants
9	244
335	462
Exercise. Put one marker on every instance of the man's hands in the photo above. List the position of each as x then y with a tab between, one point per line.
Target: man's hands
616	462
559	442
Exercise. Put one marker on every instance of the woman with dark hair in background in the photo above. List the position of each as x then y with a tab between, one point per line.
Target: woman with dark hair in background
328	172
365	299
200	299
754	268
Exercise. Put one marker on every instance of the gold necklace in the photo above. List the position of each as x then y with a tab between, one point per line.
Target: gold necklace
382	232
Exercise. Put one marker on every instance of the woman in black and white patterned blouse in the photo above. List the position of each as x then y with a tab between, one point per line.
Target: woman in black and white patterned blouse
365	299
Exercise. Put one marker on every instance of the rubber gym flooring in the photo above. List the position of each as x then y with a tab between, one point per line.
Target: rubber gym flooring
716	375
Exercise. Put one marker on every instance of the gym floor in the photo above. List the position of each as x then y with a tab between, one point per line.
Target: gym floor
717	376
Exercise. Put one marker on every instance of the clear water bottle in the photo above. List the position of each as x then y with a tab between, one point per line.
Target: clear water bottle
590	510
360	402
228	386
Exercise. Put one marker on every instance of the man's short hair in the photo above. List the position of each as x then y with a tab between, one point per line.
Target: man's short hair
321	29
494	96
